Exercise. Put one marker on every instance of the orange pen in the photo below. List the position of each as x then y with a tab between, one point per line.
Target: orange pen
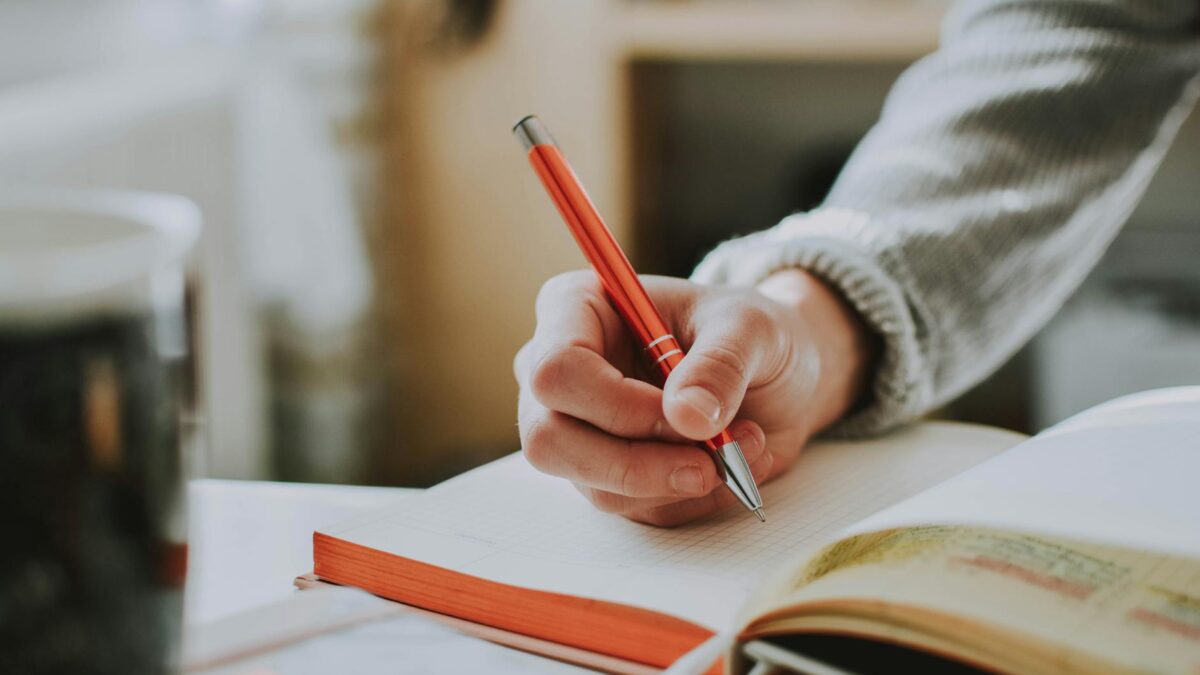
625	291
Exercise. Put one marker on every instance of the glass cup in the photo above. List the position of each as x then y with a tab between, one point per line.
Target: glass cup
92	346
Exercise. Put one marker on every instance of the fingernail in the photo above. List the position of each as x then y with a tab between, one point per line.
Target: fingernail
755	452
702	401
748	441
687	480
761	467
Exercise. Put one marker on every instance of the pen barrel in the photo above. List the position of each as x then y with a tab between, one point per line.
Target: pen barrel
665	353
600	248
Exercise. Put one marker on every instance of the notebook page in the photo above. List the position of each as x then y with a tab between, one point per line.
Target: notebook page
506	522
1125	473
1135	610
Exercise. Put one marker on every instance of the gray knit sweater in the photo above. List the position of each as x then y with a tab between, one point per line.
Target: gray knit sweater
1001	168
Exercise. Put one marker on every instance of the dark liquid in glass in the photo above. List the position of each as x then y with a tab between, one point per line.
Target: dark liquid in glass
91	573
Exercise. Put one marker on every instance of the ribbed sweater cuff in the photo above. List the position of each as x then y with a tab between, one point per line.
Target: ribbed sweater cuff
843	249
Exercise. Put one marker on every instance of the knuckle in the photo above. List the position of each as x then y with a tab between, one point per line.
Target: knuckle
606	502
623	416
547	374
625	478
565	285
724	365
540	441
657	516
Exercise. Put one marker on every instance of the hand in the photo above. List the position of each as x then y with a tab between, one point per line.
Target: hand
774	364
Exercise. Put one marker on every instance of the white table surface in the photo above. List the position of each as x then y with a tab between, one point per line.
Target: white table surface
248	540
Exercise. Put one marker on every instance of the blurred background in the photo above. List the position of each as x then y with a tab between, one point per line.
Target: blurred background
373	238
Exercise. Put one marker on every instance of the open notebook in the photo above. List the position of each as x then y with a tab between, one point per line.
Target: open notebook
507	523
510	548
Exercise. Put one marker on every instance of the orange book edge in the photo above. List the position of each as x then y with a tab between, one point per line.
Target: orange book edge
611	629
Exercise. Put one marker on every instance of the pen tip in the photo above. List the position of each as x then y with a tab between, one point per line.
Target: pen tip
762	517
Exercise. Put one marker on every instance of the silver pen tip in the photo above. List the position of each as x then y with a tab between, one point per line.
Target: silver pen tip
762	517
735	472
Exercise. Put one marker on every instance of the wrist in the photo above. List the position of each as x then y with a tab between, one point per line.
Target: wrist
846	349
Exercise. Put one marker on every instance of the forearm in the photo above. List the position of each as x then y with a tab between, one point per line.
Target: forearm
1001	169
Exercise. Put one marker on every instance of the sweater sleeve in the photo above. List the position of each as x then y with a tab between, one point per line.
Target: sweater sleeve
1000	170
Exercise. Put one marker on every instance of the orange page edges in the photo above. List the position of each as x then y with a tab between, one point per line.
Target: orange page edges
616	630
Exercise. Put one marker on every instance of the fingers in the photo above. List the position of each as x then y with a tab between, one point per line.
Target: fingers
567	364
624	442
578	382
729	352
672	512
571	310
563	446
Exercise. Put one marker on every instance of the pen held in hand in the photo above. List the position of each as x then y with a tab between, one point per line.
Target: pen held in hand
624	289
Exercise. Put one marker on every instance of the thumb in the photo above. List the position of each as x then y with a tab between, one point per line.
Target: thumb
704	392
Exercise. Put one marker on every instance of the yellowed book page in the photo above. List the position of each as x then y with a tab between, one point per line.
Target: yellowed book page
1017	601
508	523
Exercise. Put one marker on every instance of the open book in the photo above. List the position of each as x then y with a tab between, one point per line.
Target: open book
1076	550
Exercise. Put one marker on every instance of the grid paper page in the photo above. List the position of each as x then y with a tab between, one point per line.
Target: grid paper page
506	522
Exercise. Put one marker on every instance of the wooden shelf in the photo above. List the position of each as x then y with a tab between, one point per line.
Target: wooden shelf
853	30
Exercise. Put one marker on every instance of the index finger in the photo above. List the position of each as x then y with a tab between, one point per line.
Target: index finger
572	309
576	381
567	365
